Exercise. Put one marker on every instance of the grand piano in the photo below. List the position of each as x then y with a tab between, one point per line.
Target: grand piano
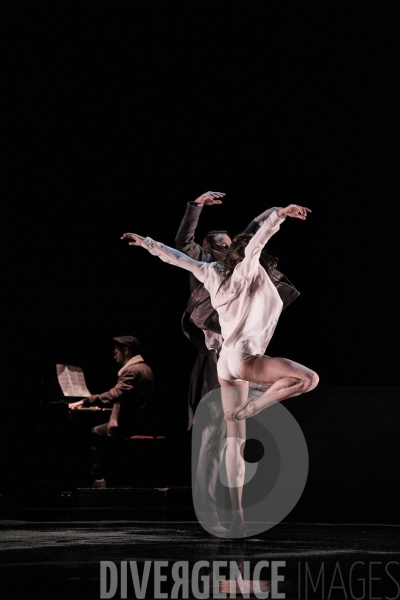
65	440
65	435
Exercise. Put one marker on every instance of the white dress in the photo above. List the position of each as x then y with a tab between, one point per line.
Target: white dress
248	305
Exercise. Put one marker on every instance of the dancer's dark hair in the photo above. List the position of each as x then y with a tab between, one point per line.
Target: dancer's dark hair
236	255
209	237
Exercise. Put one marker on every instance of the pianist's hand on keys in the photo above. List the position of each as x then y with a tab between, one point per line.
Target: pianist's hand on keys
80	406
76	405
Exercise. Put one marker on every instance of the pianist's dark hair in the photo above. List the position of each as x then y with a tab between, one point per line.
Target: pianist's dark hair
236	255
133	347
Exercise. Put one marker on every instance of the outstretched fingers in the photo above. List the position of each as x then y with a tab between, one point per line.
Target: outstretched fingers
304	211
216	194
214	197
135	239
209	198
297	212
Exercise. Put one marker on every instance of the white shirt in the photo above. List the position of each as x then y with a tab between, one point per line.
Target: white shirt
248	304
213	340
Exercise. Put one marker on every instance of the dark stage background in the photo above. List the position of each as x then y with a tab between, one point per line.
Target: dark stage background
119	114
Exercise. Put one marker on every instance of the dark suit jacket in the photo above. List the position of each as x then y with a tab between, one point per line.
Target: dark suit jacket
130	399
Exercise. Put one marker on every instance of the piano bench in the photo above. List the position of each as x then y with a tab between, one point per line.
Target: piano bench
145	461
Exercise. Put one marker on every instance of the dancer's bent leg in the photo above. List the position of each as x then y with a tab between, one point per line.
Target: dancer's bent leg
286	377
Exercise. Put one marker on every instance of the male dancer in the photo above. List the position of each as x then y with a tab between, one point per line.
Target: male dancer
200	325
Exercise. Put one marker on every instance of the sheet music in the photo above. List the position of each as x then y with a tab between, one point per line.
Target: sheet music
72	380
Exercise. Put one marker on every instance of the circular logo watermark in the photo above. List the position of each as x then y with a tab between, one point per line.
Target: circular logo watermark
262	463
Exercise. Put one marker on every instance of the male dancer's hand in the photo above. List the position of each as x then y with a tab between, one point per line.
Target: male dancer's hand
136	239
295	211
209	198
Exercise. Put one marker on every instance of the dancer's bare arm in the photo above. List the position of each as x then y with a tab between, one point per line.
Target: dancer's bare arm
170	255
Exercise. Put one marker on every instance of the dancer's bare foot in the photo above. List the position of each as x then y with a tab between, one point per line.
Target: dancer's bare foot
245	411
212	523
238	525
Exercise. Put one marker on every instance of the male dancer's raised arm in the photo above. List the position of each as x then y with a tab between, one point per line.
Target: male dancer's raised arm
185	237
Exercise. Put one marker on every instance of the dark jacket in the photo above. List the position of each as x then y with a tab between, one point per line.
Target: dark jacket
130	399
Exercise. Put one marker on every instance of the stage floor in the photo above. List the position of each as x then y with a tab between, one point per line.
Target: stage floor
61	560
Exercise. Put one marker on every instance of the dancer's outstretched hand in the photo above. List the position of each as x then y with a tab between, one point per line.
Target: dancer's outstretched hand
136	240
295	211
209	198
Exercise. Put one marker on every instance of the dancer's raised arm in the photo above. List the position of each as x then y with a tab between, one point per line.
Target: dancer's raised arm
200	270
271	225
185	237
256	223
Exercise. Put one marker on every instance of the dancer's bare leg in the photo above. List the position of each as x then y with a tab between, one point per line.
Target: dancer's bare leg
286	377
234	394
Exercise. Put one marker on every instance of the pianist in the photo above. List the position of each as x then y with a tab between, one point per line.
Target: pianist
129	400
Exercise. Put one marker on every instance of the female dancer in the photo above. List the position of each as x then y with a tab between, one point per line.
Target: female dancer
248	306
